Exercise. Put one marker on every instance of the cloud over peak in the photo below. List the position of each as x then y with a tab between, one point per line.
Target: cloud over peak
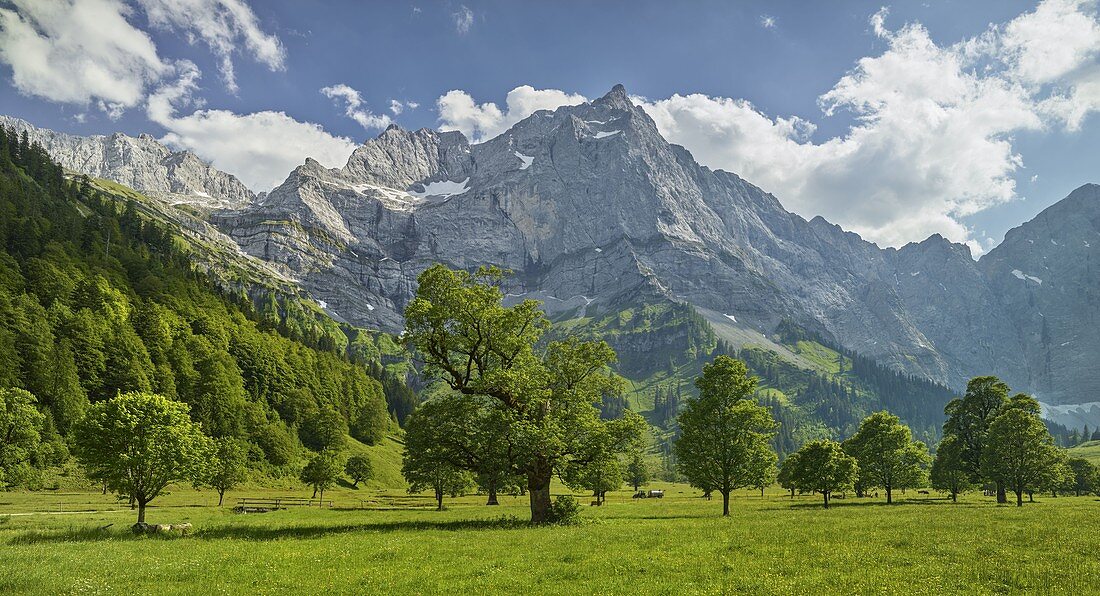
932	137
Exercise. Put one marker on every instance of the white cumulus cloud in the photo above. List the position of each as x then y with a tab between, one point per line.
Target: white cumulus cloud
355	108
260	148
933	137
458	110
224	26
79	51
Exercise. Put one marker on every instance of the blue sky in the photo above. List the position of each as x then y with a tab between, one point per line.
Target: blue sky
897	121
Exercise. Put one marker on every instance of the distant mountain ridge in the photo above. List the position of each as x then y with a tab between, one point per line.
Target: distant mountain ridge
593	210
142	163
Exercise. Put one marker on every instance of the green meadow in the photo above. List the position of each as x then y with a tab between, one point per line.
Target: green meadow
376	541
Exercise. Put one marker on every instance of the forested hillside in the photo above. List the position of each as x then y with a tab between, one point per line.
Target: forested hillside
814	389
96	298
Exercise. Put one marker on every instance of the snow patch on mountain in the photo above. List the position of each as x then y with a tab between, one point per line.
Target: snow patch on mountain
526	159
445	188
1021	275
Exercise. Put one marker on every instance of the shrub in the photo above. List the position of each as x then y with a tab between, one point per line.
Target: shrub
565	510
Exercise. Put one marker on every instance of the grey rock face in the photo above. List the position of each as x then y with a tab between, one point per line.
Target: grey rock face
589	203
1047	272
142	163
591	208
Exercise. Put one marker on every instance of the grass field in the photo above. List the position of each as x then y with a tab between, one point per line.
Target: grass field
676	545
1089	450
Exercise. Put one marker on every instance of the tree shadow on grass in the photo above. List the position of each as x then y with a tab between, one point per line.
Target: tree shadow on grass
266	533
841	503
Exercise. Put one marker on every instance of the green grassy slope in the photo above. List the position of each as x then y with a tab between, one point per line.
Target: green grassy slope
1089	450
385	459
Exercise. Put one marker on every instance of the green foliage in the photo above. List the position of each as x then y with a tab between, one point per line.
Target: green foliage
276	444
322	471
969	418
638	470
472	433
600	476
228	467
478	347
1084	476
138	443
324	429
564	511
21	429
723	443
359	469
949	473
822	466
1020	454
888	456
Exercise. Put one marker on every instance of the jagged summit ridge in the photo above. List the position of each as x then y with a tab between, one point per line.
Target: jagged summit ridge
142	163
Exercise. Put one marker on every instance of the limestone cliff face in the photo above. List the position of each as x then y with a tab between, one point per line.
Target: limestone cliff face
142	163
589	205
1047	273
592	209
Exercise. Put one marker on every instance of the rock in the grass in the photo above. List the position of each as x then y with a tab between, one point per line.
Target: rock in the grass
162	529
183	529
140	528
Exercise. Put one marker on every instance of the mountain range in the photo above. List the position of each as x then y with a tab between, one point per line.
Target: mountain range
594	212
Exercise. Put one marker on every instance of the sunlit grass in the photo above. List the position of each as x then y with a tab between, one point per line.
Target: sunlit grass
679	544
1089	450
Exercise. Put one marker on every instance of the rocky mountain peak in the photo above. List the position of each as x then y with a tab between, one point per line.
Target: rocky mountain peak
616	98
142	163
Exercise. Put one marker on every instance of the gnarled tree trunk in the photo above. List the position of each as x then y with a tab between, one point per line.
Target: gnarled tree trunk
538	487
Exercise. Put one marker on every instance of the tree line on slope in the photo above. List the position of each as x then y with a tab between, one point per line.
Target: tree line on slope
98	301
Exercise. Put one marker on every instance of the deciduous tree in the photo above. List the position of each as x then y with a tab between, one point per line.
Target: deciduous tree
823	466
322	471
949	472
21	426
969	418
359	469
1085	477
138	443
888	456
723	443
638	470
1019	452
458	325
228	467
